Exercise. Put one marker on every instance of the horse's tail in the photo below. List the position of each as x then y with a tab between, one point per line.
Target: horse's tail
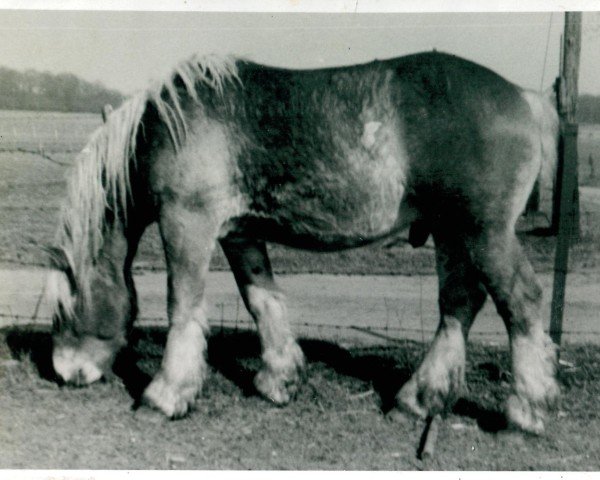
543	108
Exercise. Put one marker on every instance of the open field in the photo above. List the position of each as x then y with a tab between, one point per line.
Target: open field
337	421
589	155
32	188
53	132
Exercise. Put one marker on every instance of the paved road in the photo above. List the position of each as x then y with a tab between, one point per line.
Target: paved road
329	306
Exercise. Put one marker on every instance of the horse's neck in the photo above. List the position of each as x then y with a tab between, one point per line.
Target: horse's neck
115	251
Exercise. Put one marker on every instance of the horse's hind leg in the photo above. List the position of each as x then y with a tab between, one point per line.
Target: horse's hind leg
438	381
189	238
282	358
511	282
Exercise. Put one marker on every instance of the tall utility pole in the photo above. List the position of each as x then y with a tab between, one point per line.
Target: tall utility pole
566	180
567	93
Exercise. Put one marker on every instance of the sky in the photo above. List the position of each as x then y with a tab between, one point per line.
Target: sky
126	50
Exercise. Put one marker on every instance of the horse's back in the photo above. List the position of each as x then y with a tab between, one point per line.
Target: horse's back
342	156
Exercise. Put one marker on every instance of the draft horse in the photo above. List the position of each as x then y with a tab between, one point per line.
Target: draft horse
230	151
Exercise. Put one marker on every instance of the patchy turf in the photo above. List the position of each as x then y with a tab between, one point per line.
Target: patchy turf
335	423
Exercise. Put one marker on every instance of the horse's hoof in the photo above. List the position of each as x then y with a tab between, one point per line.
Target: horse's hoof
399	417
279	389
174	402
281	375
525	415
407	401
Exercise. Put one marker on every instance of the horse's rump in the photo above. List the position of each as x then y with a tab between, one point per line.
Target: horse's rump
347	155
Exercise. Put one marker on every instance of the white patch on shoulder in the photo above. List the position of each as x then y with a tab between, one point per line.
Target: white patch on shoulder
368	136
203	174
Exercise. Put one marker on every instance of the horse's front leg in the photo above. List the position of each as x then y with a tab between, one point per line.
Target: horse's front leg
189	238
283	360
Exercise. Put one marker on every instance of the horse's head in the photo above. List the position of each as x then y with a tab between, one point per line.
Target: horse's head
91	319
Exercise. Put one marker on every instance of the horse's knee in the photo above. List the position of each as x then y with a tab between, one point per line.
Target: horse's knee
462	300
521	303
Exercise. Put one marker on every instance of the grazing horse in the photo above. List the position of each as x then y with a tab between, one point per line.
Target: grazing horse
230	151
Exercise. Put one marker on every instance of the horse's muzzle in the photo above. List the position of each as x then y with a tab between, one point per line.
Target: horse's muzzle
82	364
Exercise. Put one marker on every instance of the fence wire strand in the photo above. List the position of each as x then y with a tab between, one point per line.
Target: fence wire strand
222	323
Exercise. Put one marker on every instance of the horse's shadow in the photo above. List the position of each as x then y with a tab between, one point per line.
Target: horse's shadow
229	352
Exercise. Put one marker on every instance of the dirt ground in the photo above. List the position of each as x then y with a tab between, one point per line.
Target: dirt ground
338	420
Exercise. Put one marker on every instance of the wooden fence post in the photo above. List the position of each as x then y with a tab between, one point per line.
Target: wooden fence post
567	92
568	211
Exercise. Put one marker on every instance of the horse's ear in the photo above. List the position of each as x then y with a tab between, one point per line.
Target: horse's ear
60	261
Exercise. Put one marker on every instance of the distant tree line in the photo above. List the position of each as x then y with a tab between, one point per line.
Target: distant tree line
32	90
65	92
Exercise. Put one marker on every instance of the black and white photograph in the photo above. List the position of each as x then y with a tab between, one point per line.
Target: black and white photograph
289	236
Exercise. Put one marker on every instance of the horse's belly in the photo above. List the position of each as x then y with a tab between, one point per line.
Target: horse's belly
328	168
348	196
301	230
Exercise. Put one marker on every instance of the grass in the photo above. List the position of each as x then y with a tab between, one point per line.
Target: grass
336	422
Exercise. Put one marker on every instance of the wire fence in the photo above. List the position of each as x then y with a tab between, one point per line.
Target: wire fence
378	332
56	138
46	132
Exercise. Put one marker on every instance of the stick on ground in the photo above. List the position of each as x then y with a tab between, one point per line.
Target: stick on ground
428	438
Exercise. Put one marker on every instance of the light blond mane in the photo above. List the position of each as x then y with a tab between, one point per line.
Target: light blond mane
101	171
